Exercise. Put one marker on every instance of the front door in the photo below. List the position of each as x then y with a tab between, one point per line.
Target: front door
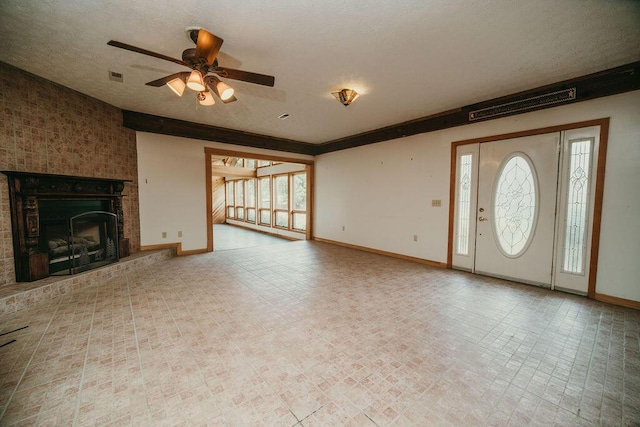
516	208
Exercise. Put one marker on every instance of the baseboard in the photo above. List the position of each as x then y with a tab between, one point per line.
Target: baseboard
617	301
385	253
176	245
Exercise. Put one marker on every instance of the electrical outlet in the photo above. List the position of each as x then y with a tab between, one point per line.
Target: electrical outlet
415	237
179	233
436	203
164	234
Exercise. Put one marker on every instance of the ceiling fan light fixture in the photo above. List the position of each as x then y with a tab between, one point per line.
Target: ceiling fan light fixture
177	85
206	98
195	81
224	90
346	96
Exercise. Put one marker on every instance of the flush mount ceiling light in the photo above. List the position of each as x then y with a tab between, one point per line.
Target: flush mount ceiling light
346	96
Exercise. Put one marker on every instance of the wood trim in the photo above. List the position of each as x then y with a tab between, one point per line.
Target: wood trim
617	301
245	155
609	82
385	253
599	190
310	194
597	207
531	132
166	126
233	172
209	199
177	246
452	200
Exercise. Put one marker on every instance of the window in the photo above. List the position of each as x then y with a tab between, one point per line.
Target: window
250	164
281	199
240	199
231	211
251	200
464	203
577	206
299	201
262	163
264	203
271	201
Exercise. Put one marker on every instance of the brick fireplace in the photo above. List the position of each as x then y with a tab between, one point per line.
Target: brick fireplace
64	224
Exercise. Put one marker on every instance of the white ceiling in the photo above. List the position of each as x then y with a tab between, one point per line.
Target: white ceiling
408	58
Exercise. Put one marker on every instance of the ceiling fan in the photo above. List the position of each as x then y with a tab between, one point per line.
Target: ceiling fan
205	69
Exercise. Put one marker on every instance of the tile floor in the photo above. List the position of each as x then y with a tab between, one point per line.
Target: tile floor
227	237
310	334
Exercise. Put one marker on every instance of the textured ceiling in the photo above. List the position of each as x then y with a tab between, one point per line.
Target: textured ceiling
408	58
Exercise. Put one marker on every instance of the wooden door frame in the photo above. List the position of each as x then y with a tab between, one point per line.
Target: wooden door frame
599	187
209	152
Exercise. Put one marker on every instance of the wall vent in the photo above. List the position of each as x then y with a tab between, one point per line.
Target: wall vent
524	104
116	77
283	116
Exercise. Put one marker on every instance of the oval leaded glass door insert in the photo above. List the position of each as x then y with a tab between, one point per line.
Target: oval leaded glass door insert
515	205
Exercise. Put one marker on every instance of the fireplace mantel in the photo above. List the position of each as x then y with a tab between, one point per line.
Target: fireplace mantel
27	189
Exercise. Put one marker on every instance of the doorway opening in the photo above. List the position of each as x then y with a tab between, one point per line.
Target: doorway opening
262	194
526	206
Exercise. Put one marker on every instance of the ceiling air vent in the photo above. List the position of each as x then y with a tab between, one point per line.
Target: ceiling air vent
116	77
524	104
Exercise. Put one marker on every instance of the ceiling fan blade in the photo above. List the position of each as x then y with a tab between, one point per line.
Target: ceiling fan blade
245	76
163	81
208	46
145	52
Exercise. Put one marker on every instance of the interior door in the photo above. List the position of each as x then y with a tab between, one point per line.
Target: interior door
517	187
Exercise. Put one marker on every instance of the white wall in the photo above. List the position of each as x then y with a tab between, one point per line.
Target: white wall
171	173
382	193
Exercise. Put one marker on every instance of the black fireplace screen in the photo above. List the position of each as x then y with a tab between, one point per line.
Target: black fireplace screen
82	242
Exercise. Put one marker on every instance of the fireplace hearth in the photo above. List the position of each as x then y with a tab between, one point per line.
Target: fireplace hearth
64	224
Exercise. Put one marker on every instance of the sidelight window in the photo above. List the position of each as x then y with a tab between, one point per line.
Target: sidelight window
577	206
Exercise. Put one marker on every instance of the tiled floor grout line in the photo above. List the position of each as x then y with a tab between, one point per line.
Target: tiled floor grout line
86	355
593	347
26	367
135	335
173	319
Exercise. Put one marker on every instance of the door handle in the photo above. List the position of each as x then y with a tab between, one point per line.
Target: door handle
483	219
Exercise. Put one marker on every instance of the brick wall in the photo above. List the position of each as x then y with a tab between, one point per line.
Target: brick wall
48	128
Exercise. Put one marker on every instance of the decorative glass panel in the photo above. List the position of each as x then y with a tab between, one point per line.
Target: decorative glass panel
250	164
265	217
300	192
240	213
231	212
514	205
251	193
251	215
577	206
265	193
281	192
282	219
300	221
464	203
262	163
